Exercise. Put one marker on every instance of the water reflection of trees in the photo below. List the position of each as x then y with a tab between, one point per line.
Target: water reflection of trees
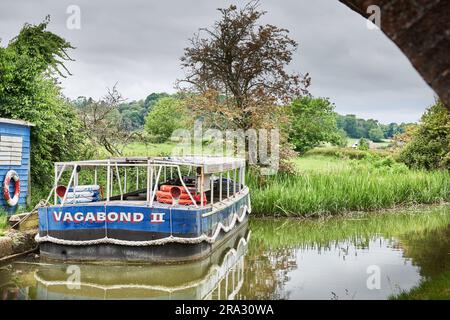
267	272
429	250
424	237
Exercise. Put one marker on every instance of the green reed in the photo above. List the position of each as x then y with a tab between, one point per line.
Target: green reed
358	187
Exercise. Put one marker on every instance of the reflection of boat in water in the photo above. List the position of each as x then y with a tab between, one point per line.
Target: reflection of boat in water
220	276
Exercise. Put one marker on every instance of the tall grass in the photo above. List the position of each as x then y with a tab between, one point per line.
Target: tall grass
3	222
354	188
428	289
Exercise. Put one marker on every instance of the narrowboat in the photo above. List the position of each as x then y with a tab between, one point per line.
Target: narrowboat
143	209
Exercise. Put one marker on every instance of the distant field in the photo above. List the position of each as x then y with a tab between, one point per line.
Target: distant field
385	143
320	164
150	149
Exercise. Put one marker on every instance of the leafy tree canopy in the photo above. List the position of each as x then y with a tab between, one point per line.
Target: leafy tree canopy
29	66
313	122
429	145
369	129
237	76
167	115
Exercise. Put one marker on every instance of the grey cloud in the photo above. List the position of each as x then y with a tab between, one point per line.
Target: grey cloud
138	44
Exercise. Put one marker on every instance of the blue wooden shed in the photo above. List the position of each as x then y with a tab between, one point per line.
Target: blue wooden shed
15	155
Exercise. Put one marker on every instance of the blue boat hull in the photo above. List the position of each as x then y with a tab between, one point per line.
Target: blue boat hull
123	232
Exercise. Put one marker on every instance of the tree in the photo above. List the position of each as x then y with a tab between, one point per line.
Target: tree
104	124
370	129
429	146
152	99
133	115
29	67
313	122
167	115
235	71
376	134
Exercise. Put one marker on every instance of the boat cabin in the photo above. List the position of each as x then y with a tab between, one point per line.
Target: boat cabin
153	182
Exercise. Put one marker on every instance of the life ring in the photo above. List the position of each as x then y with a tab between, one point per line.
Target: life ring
15	199
164	195
168	188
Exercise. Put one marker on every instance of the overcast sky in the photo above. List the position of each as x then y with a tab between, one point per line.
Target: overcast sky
138	44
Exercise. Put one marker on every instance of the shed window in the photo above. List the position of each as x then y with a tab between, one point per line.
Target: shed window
10	150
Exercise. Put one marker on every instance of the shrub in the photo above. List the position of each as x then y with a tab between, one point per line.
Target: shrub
429	147
167	115
363	144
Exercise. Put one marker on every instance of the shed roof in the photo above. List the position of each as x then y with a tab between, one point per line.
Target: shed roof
18	122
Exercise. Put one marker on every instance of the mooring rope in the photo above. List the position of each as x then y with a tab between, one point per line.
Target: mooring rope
41	203
169	239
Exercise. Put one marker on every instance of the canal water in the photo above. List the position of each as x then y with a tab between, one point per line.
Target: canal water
372	256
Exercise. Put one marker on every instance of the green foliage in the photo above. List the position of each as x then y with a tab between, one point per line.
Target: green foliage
372	183
133	113
376	134
370	129
28	91
167	115
152	99
313	122
363	144
3	221
346	153
428	289
429	147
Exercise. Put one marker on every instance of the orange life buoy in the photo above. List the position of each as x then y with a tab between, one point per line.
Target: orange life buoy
164	195
15	199
168	188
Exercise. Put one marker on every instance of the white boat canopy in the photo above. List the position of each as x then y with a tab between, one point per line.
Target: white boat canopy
210	164
207	168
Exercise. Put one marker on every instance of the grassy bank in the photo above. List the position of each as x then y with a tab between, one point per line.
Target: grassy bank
333	186
431	289
346	153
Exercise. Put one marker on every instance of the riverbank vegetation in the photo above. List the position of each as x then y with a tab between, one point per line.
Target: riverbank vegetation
360	227
30	65
3	223
324	187
429	289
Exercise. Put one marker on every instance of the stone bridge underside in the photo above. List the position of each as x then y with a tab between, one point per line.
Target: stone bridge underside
421	29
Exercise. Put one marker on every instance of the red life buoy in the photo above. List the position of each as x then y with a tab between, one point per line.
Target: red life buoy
167	188
15	199
183	202
164	195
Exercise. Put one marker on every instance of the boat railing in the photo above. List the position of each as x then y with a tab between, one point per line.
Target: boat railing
156	169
